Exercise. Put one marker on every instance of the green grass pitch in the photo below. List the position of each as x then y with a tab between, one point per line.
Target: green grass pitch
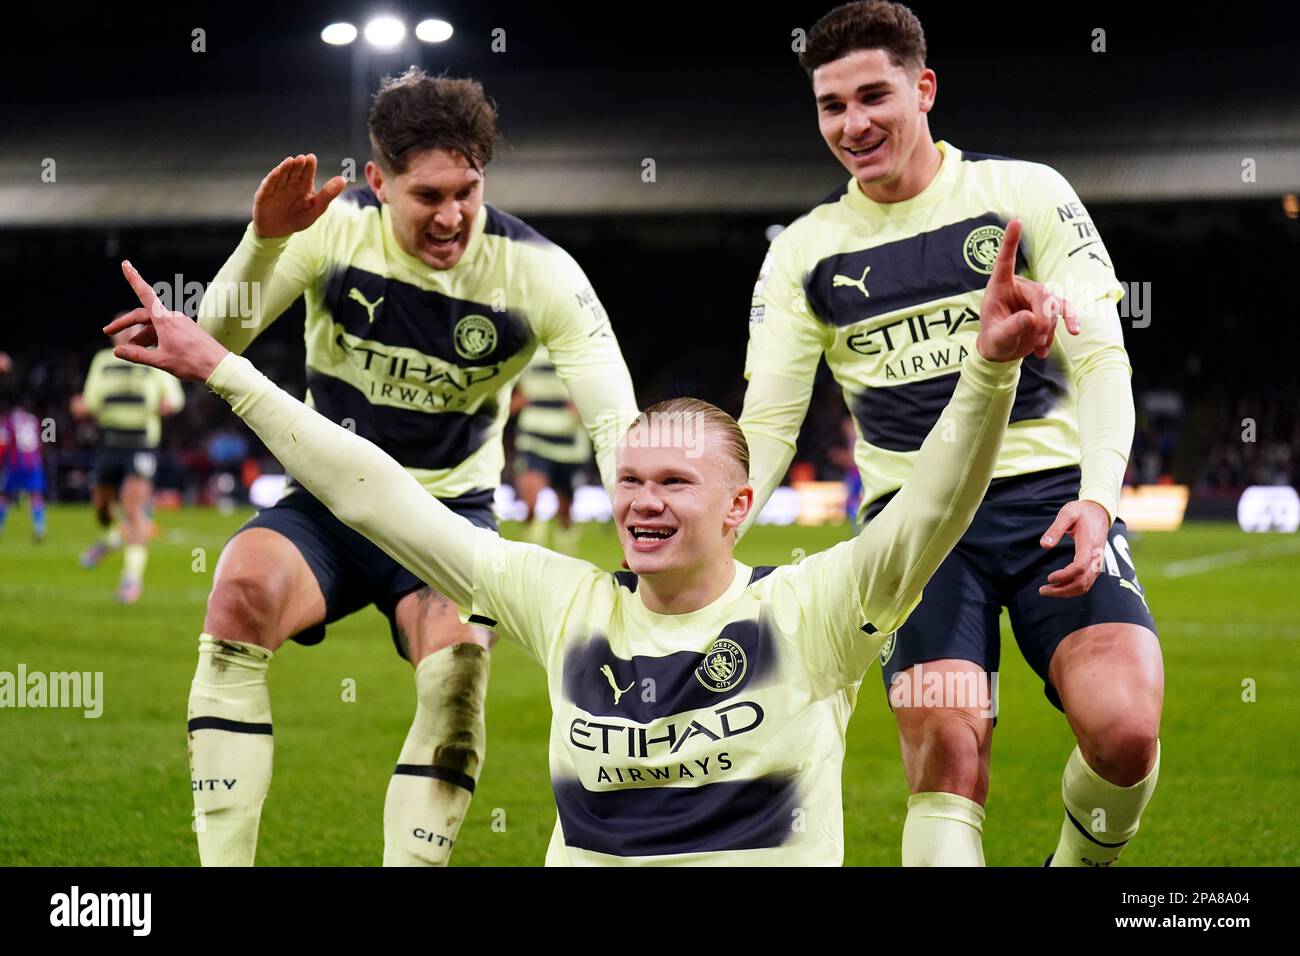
115	790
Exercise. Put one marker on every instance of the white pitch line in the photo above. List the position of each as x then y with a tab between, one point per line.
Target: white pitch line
1227	559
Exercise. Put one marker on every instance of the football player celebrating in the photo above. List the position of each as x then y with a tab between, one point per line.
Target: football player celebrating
423	306
885	279
699	706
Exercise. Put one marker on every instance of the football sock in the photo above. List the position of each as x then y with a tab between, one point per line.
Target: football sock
431	788
133	561
4	512
230	748
38	516
111	538
1100	818
943	829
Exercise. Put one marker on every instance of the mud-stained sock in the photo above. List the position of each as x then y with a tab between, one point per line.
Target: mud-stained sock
230	748
440	762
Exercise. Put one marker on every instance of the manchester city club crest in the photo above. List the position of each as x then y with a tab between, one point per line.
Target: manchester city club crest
981	248
723	666
474	336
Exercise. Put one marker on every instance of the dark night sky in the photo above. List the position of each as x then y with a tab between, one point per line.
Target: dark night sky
105	52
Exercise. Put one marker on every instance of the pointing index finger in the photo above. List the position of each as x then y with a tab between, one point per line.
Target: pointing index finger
1004	269
143	290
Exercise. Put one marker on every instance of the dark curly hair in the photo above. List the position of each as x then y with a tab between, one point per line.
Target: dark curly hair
417	112
866	25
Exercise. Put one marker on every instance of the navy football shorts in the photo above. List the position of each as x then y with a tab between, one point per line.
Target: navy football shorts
351	571
999	563
114	465
563	476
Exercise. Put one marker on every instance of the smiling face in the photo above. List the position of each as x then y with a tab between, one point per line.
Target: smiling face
677	505
872	115
432	204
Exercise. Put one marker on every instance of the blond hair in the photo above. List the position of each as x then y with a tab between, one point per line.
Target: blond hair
686	413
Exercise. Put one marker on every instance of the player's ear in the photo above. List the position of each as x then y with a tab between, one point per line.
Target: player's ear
375	180
927	88
742	502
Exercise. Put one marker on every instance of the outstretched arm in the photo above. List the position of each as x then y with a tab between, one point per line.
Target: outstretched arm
364	487
904	545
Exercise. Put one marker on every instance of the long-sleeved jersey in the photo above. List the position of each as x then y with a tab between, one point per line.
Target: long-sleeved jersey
709	737
421	360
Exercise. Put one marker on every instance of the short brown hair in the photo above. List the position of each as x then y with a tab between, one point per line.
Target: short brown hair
416	112
866	25
710	417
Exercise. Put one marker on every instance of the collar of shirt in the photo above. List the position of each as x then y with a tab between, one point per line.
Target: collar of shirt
710	611
935	192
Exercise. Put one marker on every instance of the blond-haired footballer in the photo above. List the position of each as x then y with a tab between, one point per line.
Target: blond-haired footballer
698	705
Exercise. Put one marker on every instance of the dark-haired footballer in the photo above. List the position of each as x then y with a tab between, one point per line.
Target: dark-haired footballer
885	278
424	304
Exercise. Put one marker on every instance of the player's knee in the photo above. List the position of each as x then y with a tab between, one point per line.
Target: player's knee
432	623
1125	750
946	747
245	607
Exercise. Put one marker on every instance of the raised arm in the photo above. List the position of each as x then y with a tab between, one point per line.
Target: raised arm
900	549
576	331
785	345
365	488
274	262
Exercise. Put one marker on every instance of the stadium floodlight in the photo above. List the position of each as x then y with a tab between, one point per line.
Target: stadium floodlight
385	32
339	34
433	31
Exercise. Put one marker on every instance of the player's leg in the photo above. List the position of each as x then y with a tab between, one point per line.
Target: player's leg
101	503
1110	678
36	503
567	534
1100	662
937	674
110	539
946	753
528	486
4	501
136	492
263	592
431	787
